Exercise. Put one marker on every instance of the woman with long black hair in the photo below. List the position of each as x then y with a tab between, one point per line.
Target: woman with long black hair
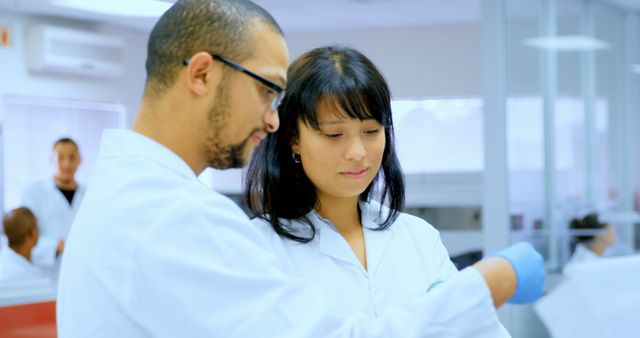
328	190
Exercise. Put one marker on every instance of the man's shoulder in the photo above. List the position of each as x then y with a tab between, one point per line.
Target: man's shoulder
157	192
39	184
36	189
195	200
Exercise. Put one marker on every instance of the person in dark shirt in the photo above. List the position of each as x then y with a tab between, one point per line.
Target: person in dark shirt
54	202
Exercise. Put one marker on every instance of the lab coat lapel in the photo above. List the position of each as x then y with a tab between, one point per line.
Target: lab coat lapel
77	198
376	241
332	243
59	199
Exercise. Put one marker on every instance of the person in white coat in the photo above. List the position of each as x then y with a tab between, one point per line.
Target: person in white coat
55	202
313	185
21	228
591	239
155	253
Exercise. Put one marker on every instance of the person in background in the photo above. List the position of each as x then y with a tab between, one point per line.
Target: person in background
21	229
55	202
590	240
318	186
153	252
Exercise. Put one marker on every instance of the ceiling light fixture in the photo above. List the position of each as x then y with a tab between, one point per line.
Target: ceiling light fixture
126	8
567	43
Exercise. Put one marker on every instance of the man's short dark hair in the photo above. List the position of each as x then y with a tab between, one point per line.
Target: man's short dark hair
192	26
17	224
65	140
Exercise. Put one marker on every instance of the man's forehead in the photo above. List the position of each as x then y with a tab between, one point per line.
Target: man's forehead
271	55
65	146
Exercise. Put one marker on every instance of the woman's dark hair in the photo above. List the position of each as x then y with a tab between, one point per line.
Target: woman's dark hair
589	222
276	187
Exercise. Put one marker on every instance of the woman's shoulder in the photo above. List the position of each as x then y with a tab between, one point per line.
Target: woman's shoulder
416	225
404	221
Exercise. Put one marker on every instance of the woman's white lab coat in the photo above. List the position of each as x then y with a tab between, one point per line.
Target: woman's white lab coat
155	253
403	261
54	215
581	255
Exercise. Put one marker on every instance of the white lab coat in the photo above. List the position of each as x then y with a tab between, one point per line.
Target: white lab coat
581	255
155	253
54	215
403	261
596	299
15	267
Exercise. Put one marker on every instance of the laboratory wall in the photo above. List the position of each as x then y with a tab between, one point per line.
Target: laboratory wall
16	79
429	61
38	108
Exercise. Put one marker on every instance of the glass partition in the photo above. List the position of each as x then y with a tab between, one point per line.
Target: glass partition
566	120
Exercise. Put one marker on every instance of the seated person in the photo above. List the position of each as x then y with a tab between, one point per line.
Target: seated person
590	241
21	229
328	190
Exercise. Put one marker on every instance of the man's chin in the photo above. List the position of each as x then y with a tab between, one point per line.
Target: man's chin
65	178
235	163
234	157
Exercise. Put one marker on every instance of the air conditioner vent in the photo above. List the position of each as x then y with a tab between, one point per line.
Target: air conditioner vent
58	50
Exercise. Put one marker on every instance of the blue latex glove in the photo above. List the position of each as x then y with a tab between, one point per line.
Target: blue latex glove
529	267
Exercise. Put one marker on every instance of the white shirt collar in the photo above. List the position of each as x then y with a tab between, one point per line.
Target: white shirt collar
127	143
331	242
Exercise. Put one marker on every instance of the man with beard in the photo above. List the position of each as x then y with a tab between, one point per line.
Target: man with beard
155	253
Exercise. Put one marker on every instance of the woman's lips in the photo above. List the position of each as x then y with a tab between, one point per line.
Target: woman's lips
355	173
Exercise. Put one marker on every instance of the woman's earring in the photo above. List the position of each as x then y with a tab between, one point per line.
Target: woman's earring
296	157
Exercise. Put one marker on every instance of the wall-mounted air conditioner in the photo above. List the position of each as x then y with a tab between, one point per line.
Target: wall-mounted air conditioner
57	50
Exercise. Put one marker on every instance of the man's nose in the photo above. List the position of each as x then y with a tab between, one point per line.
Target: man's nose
272	120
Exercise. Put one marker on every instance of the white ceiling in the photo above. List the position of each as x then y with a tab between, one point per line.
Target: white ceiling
313	15
308	15
298	15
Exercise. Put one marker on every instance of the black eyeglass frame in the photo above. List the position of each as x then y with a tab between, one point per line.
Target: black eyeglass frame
277	89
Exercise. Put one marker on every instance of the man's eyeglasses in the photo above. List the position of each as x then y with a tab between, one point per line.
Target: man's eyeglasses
277	90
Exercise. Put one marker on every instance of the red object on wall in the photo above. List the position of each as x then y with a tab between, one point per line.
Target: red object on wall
37	320
4	37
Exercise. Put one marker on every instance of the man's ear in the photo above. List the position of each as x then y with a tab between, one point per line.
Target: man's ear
33	232
200	73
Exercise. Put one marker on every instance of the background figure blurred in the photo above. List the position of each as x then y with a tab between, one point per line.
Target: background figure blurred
55	203
591	238
21	228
